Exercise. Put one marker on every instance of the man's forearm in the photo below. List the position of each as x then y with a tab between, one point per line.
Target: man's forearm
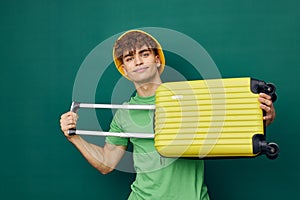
95	155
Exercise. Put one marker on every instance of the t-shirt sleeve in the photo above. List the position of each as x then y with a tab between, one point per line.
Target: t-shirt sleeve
115	127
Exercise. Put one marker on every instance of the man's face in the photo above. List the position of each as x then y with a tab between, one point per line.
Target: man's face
141	65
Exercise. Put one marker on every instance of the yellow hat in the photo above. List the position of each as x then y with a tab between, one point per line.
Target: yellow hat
160	52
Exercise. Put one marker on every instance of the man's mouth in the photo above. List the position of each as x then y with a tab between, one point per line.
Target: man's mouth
140	69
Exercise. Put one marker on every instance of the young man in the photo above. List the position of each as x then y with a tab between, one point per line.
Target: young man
139	57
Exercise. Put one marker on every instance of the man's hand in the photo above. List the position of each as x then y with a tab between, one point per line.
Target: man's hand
267	105
68	121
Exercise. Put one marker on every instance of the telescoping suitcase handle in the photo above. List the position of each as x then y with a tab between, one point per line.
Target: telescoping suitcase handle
75	107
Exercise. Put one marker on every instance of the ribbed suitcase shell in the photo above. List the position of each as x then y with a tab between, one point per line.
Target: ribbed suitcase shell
207	118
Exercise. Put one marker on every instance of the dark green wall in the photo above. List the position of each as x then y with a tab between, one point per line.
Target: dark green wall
43	44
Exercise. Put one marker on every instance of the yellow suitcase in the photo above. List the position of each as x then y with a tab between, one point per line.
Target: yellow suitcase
214	118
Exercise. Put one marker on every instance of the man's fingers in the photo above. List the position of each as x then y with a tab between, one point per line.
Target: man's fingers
68	127
265	101
66	114
69	114
263	95
68	121
266	108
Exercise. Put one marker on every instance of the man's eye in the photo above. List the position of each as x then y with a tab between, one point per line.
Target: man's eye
145	54
129	59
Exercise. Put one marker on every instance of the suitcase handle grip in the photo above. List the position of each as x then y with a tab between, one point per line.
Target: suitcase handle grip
74	108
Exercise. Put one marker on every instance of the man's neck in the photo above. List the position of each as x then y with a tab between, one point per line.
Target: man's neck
147	89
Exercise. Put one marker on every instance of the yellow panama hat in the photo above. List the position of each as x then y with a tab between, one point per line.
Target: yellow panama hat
160	52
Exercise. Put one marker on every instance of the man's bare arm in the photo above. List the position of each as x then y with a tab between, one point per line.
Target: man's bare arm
104	159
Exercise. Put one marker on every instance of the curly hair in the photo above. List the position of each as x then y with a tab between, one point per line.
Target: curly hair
131	41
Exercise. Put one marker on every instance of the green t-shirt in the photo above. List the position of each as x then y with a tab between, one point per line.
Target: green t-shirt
157	178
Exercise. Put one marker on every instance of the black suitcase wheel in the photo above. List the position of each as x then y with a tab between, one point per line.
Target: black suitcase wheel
271	90
272	150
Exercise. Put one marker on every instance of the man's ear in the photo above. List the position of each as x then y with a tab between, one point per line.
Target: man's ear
157	60
124	70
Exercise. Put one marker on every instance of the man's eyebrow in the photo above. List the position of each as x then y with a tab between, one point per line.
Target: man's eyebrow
129	54
144	50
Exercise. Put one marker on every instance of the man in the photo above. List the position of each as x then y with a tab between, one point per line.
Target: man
139	57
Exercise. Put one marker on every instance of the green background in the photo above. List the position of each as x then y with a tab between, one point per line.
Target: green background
43	44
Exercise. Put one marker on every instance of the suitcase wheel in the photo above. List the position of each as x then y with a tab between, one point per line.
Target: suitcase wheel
272	150
271	90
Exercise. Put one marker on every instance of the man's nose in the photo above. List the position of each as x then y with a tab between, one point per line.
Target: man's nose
138	60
